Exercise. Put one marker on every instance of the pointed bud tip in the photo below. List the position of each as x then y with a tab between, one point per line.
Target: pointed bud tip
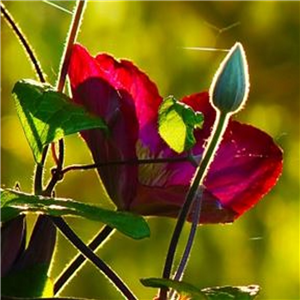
230	86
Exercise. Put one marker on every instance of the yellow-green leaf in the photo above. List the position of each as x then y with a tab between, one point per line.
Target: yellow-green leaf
176	124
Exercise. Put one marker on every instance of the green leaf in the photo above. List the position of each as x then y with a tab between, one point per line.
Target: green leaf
176	124
14	203
231	292
30	282
211	293
47	116
181	287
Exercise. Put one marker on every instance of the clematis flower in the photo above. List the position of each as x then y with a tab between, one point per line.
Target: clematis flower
247	164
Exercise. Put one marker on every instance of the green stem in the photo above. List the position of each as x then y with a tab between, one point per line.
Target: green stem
38	174
43	221
208	155
191	237
57	174
80	259
187	251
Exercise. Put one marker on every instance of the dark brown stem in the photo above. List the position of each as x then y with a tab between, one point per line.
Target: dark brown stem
70	41
54	154
126	162
56	172
79	260
88	253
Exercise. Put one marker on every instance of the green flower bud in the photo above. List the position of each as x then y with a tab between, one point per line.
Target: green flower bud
230	87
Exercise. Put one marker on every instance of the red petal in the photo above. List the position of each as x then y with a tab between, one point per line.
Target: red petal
124	75
156	201
247	165
117	108
128	101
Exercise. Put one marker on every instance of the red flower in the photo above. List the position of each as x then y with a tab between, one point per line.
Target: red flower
247	165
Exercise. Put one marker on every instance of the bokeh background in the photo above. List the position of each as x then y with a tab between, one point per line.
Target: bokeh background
262	247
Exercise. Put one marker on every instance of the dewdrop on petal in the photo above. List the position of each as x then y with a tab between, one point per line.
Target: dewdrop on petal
230	86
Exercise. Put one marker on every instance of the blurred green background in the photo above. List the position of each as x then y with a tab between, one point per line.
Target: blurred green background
262	247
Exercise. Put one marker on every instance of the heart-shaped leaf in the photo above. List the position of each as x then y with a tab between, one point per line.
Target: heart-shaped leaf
176	124
47	116
14	203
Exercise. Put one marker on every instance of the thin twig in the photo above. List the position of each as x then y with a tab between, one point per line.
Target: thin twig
86	251
38	175
79	260
58	7
189	244
125	162
54	154
77	18
187	251
27	47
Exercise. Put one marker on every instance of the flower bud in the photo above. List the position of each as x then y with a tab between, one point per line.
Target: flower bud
13	235
230	87
41	245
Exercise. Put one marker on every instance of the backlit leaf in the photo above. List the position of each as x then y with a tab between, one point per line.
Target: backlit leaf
231	292
176	124
47	116
14	203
